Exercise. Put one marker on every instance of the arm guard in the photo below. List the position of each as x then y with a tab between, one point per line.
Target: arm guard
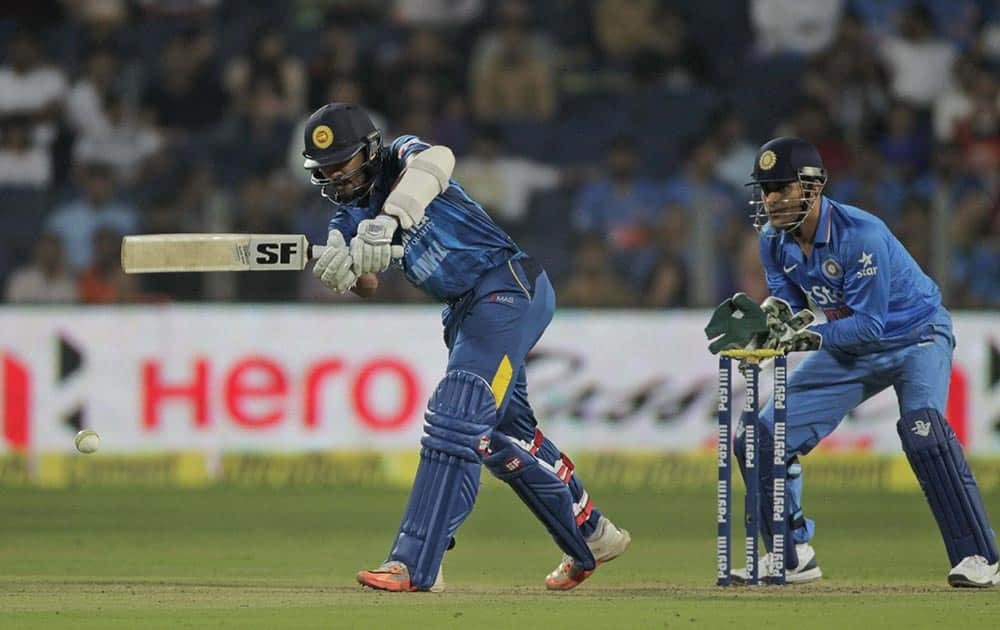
426	176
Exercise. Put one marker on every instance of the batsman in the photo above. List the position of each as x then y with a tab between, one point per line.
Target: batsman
885	327
399	205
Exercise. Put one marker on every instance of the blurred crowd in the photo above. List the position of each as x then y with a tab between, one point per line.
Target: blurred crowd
612	138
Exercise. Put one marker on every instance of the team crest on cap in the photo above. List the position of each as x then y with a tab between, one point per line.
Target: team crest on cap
832	269
322	137
767	160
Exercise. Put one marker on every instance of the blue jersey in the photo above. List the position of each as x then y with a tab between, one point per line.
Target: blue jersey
447	253
858	273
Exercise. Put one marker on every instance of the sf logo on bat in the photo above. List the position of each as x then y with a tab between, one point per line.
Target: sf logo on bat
276	253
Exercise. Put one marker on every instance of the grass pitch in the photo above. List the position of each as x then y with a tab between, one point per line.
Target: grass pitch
269	558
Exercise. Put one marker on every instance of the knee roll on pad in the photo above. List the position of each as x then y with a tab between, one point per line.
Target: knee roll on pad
939	464
460	417
546	493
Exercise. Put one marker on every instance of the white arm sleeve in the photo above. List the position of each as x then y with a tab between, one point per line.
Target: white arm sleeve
426	176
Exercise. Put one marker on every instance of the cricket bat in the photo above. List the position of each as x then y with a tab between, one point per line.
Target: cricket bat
156	253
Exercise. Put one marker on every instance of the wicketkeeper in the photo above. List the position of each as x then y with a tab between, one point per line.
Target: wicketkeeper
885	327
399	205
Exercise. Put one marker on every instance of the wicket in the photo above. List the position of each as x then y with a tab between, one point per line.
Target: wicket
749	364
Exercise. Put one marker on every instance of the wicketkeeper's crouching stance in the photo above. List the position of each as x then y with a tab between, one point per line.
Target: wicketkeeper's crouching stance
400	204
885	327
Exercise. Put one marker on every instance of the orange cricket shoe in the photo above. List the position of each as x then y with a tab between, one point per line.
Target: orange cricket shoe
394	576
607	543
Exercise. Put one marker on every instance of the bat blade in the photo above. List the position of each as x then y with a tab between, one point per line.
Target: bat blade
158	253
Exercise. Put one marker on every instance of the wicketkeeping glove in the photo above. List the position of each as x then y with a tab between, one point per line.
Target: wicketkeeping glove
735	324
786	331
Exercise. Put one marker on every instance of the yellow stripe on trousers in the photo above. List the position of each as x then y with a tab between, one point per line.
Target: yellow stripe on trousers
501	380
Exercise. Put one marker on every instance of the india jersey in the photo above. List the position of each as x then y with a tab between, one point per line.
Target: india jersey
858	273
451	248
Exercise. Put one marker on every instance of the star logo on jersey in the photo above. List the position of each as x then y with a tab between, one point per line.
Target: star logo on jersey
868	269
322	137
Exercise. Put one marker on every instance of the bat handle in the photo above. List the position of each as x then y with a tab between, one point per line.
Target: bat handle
315	251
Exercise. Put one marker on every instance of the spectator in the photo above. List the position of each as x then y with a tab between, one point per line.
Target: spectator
124	142
338	55
849	81
801	27
920	63
813	123
416	75
255	141
870	184
87	100
735	151
512	74
437	13
749	271
594	280
103	281
667	286
621	207
31	88
186	92
24	163
269	63
77	221
502	182
976	253
977	134
955	104
905	144
46	280
710	210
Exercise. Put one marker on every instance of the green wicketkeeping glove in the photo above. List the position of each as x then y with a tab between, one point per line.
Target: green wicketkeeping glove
735	323
787	331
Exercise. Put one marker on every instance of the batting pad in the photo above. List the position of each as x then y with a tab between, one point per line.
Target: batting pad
939	464
545	490
460	417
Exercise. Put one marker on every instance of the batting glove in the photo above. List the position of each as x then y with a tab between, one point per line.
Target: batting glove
334	266
372	249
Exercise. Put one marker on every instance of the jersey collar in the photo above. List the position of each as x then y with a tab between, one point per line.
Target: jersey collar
822	236
825	224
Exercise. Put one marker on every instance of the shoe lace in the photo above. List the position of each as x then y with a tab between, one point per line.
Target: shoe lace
976	560
568	562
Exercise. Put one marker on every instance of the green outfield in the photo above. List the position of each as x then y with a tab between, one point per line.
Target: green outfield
268	558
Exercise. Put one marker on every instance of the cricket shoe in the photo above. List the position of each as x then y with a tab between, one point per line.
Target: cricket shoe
394	576
806	571
976	572
606	543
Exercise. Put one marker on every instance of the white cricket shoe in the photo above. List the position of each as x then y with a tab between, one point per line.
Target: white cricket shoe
606	543
807	570
976	572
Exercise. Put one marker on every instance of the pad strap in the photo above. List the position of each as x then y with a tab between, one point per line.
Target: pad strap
545	489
